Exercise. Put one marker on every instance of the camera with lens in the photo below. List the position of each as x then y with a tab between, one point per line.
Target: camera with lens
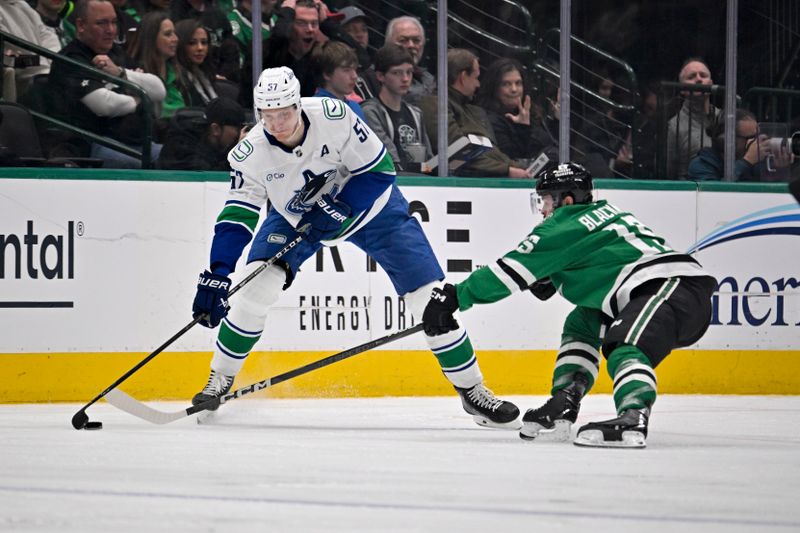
780	148
785	144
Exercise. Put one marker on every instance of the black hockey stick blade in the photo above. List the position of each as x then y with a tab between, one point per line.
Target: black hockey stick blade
80	418
131	405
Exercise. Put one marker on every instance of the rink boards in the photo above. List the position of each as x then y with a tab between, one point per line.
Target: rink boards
99	268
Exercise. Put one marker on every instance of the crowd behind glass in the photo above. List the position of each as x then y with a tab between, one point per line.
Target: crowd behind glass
193	60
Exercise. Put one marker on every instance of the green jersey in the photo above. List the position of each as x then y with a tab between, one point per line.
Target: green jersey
595	254
243	27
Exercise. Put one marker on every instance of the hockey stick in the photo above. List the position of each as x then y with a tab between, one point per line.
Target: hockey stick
129	404
80	419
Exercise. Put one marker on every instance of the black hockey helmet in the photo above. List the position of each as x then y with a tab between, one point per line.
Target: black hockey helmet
566	179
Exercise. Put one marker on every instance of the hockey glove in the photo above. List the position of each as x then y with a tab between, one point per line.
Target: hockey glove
324	220
543	289
211	300
438	315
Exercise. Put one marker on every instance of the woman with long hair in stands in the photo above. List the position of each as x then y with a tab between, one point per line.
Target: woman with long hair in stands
504	97
154	49
198	80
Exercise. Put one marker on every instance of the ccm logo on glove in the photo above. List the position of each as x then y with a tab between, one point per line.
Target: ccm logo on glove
436	294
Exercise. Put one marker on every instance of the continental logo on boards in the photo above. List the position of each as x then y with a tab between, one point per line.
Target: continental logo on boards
33	255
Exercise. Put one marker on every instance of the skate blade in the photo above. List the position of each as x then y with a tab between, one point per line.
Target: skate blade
560	432
485	422
593	438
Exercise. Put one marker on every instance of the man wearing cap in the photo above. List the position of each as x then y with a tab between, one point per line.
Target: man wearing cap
354	23
353	31
201	141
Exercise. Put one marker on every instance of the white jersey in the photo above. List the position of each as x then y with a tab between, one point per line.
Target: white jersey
337	147
338	155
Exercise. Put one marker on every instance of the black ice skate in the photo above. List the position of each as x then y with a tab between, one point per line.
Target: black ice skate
628	430
488	410
553	421
218	385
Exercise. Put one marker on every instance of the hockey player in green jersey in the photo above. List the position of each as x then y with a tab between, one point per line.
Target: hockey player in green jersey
636	300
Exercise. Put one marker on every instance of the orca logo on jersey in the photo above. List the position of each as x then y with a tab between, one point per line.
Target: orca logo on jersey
313	188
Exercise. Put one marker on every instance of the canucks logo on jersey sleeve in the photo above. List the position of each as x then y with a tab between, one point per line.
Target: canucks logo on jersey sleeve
311	190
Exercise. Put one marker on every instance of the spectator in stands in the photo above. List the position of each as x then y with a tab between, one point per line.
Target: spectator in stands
504	96
301	25
155	48
241	25
223	47
126	29
353	32
354	24
751	150
296	33
397	123
87	102
463	71
201	140
18	18
409	33
686	130
197	82
335	64
50	11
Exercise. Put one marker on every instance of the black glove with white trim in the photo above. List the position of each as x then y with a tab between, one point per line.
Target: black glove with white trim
211	300
438	316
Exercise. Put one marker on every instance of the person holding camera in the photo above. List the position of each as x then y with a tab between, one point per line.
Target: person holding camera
751	150
201	140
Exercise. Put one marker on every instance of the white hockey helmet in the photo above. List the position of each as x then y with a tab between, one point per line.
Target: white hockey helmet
276	88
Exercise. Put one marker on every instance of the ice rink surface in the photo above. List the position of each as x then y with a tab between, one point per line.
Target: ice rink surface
713	463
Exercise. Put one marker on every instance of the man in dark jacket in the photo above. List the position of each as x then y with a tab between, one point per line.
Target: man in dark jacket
201	140
751	149
463	118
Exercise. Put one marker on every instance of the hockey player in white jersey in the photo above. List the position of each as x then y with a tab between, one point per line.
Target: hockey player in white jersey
328	177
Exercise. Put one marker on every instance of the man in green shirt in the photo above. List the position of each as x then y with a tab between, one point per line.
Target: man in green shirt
636	299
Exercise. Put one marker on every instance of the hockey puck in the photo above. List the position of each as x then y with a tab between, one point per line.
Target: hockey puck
93	425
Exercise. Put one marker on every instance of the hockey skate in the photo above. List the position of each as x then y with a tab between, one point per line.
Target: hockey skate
218	385
553	421
487	409
628	430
